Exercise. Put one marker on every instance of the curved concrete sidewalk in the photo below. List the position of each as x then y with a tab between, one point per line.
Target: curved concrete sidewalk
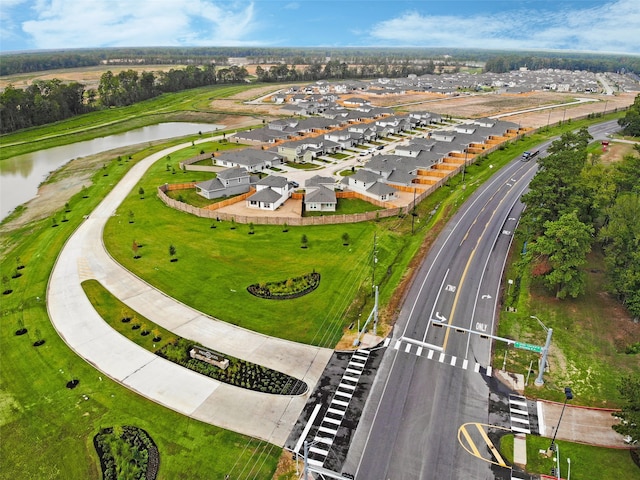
265	416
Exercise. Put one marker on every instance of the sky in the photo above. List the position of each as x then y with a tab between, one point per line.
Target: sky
608	26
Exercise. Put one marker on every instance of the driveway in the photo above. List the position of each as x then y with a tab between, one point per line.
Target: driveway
264	416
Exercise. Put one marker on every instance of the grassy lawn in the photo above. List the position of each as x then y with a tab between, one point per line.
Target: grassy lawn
587	462
46	428
347	206
303	166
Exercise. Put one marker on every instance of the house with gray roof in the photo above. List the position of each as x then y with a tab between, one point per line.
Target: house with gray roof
271	192
371	185
320	199
251	159
231	181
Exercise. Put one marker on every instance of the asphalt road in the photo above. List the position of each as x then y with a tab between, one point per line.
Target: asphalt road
429	416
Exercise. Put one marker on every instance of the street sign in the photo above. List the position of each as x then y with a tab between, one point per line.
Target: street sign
528	346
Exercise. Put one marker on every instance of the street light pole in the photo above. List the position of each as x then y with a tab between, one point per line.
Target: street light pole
568	395
539	381
305	470
568	468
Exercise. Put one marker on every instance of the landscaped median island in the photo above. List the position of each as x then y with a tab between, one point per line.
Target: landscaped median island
189	354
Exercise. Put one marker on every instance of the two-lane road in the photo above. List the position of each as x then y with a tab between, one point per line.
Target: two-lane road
428	410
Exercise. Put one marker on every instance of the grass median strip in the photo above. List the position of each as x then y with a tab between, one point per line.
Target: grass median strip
176	349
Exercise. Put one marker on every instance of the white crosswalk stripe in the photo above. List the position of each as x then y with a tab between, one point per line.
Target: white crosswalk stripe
441	357
338	406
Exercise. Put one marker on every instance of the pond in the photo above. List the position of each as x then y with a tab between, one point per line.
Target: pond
20	176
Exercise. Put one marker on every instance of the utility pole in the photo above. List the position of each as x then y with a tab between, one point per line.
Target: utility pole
375	260
413	210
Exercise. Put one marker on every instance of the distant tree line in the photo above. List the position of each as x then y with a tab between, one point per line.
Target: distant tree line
335	69
44	101
575	203
128	86
592	63
496	61
47	101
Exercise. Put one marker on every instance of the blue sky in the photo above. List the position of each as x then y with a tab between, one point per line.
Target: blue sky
584	25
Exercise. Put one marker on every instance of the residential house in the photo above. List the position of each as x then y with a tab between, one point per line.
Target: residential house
231	181
271	192
251	159
320	199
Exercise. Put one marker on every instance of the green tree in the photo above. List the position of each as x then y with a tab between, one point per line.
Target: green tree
621	239
345	238
626	173
563	248
141	192
172	252
630	123
629	415
304	241
557	188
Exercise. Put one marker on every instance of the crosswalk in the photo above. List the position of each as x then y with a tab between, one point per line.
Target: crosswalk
433	354
519	414
325	436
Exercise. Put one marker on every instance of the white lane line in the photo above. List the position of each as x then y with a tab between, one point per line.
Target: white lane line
318	451
397	345
476	368
489	370
387	341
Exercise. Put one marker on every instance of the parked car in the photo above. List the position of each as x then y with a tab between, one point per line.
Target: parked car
379	147
294	184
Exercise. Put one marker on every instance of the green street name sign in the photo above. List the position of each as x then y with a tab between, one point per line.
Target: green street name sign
528	346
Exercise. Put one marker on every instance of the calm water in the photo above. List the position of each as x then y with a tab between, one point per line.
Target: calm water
20	176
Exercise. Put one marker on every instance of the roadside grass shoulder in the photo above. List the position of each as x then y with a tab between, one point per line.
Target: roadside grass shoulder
46	428
587	462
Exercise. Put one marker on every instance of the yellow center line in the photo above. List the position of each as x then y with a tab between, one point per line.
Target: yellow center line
491	446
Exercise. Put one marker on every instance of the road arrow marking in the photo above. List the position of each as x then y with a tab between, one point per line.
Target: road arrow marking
484	297
442	318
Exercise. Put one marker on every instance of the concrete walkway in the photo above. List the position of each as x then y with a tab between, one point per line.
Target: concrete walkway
264	416
580	424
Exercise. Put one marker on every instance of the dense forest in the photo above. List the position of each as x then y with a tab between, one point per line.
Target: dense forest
575	203
497	61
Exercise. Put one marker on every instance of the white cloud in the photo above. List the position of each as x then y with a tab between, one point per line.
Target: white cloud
612	27
78	23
